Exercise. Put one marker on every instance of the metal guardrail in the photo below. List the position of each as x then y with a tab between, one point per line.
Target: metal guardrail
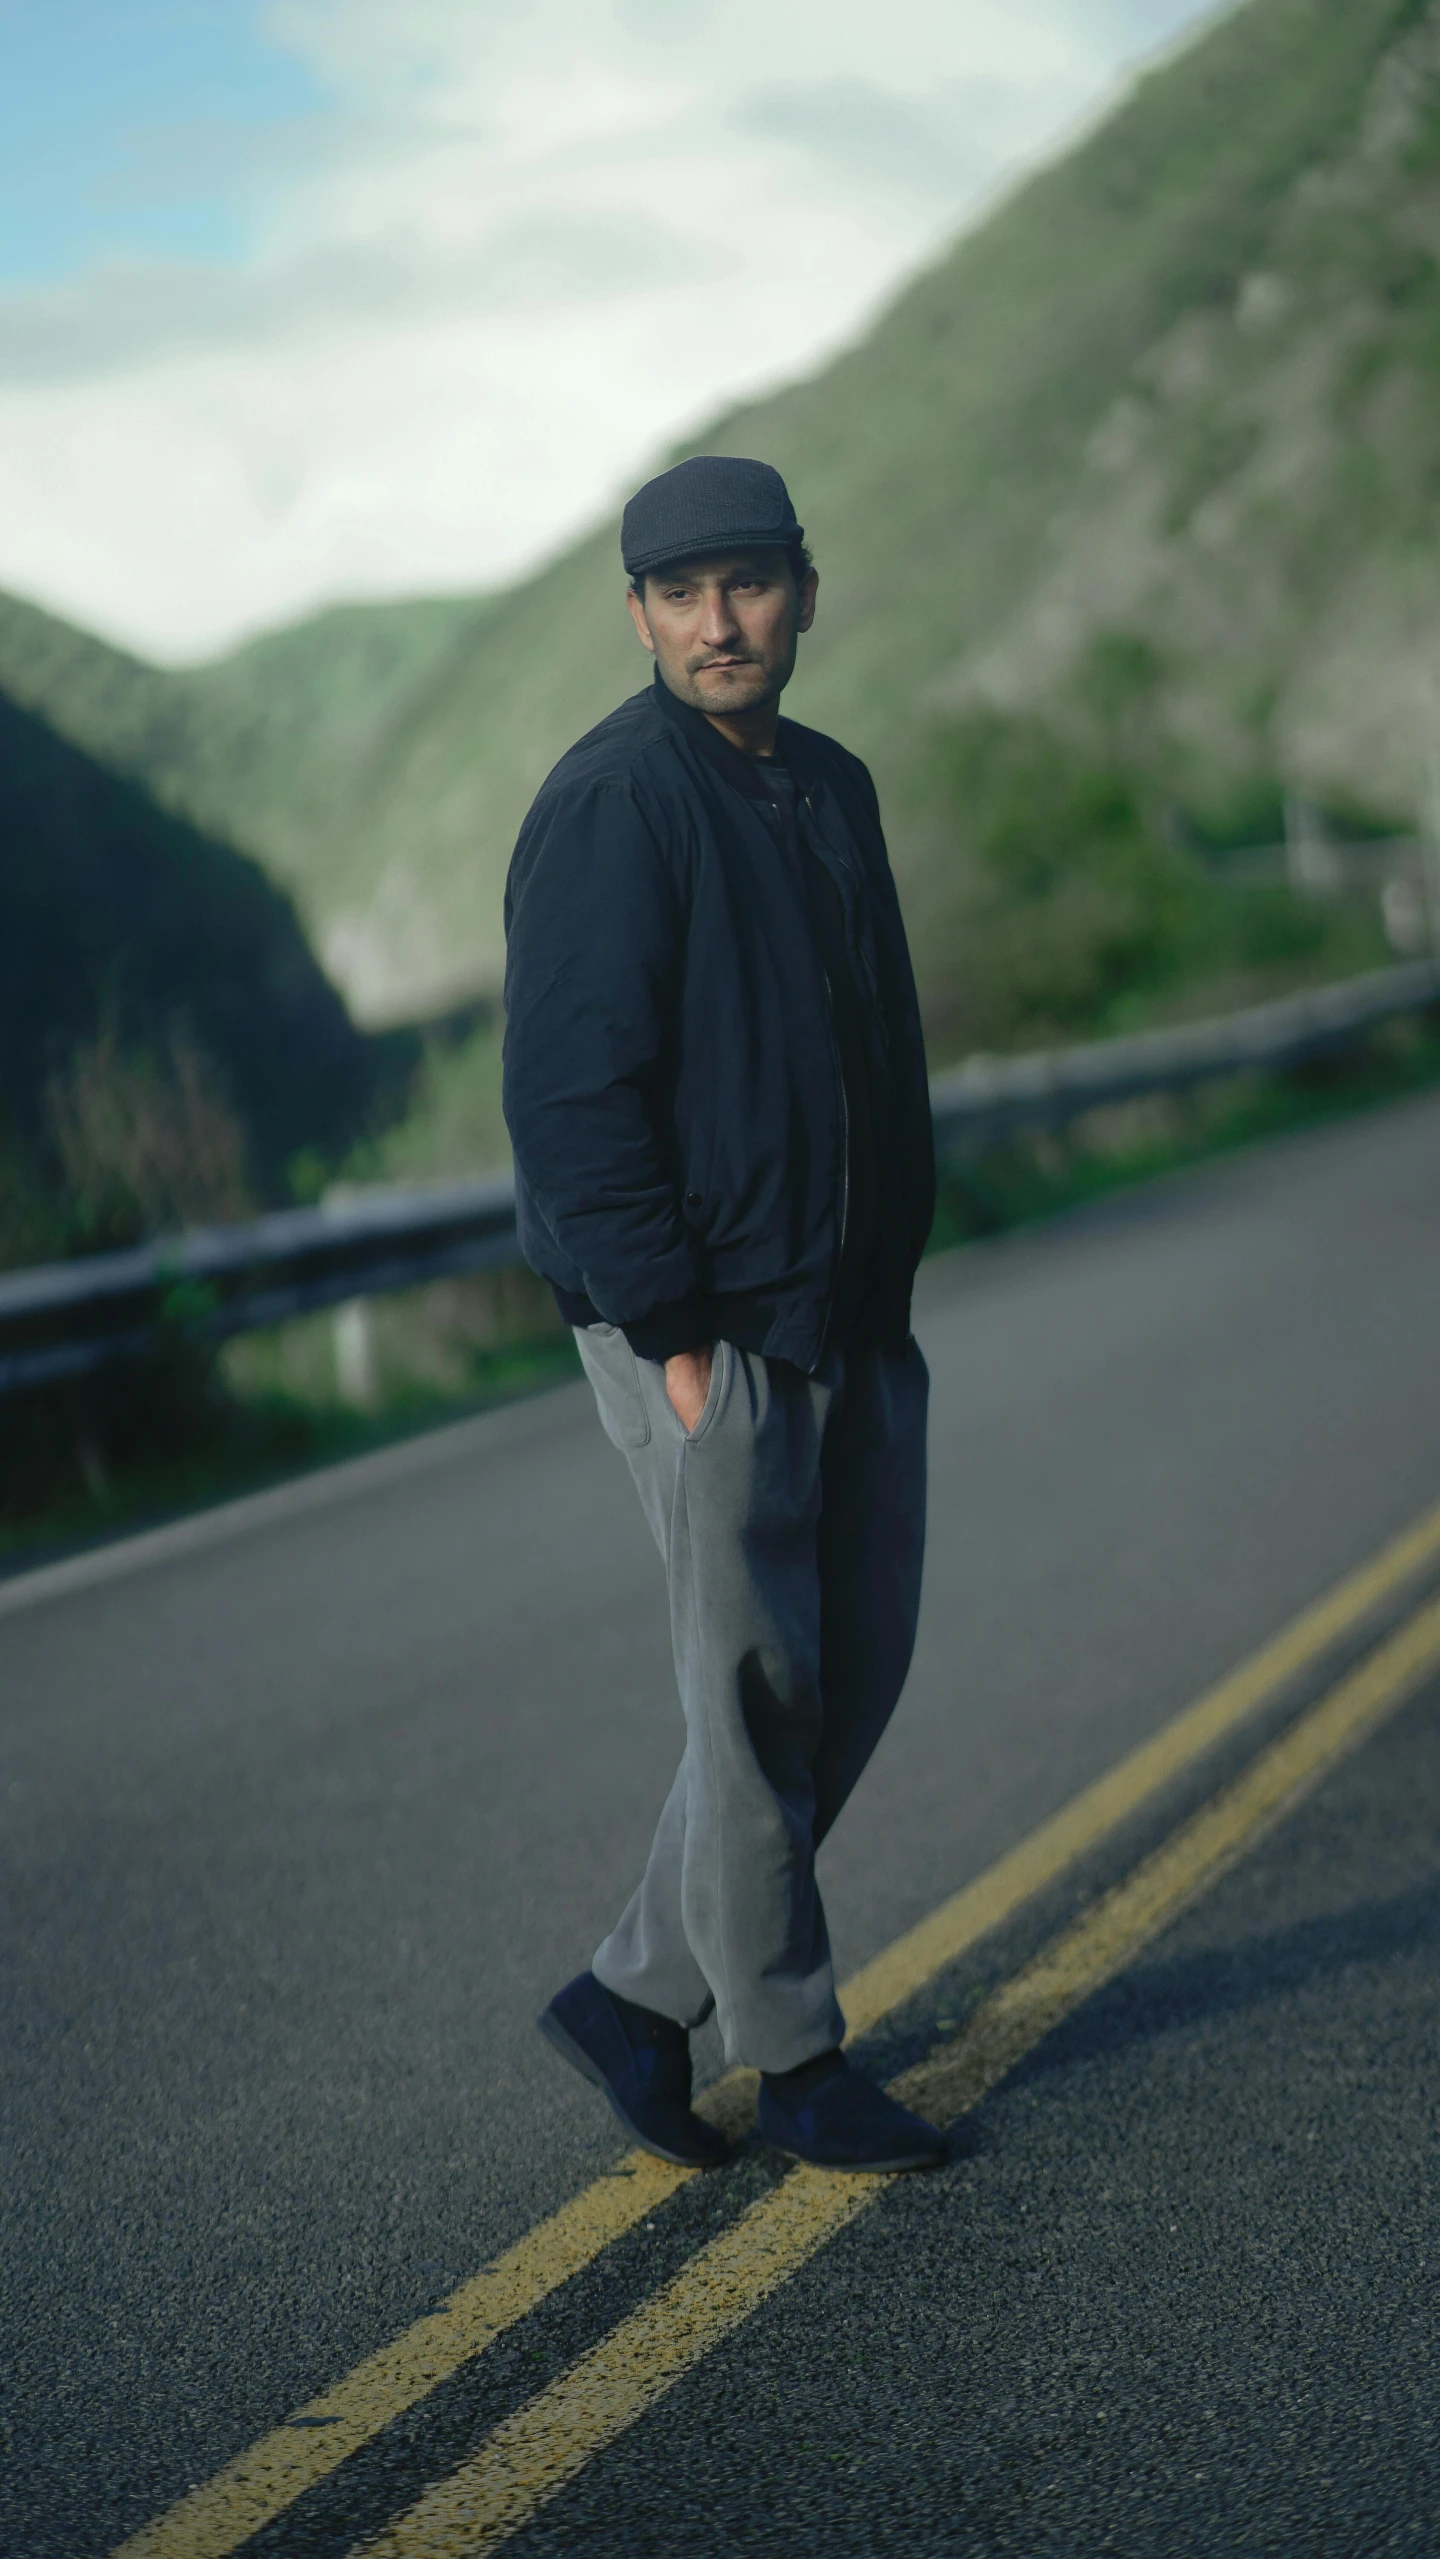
992	1097
64	1319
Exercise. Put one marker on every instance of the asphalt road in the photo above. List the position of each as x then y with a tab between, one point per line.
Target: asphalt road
303	1825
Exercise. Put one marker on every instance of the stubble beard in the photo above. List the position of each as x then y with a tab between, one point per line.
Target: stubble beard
750	687
740	688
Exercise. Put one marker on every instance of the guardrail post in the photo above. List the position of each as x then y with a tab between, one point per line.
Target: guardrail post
1311	863
353	1334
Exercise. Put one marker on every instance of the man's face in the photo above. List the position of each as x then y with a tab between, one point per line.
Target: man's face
723	630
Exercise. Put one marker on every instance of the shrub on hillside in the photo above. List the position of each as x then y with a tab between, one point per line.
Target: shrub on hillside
1067	899
145	1141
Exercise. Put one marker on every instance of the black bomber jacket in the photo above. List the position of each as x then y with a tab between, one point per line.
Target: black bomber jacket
672	1083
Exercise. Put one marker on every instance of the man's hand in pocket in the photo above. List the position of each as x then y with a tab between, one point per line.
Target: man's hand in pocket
687	1383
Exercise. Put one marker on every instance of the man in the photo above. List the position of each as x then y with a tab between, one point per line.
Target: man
715	1084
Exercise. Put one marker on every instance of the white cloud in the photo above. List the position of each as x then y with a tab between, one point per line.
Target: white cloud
533	240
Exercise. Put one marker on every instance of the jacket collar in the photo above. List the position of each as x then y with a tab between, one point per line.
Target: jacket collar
737	769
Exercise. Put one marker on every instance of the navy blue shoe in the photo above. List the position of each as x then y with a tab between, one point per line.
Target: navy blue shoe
646	2078
838	2120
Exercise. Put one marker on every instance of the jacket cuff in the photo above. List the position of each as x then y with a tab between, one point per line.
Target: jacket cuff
687	1325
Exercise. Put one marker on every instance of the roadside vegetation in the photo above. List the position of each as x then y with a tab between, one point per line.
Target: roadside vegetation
1084	896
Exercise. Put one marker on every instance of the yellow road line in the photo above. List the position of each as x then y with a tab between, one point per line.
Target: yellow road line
534	2453
261	2483
215	2518
1105	1939
970	1914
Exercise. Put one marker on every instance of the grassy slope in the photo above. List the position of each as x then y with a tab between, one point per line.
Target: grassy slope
122	922
274	746
1038	443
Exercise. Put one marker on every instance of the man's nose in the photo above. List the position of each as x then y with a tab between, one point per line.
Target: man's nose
717	619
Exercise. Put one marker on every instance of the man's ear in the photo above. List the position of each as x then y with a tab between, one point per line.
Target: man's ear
637	616
805	599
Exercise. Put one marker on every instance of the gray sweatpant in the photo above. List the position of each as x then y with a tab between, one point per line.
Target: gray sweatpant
792	1524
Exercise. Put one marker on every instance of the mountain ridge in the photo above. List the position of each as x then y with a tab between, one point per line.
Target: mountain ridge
1163	411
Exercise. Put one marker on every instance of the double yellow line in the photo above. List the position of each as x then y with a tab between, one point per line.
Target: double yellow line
531	2454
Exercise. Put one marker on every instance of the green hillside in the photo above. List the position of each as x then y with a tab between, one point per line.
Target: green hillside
168	1044
272	746
1136	489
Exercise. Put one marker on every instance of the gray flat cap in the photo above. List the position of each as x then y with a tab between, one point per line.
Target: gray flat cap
714	503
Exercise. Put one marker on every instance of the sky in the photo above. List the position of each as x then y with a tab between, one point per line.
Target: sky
303	300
